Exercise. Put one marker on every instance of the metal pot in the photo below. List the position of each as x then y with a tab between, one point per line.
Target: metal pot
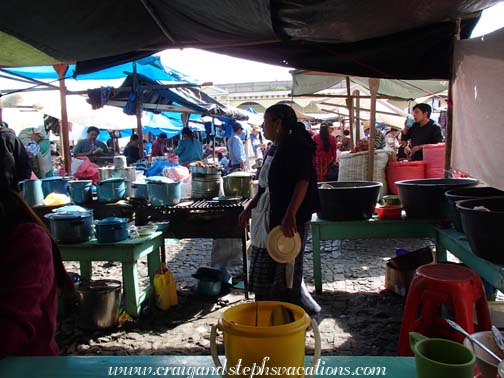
71	226
204	170
99	304
164	193
111	190
120	162
205	188
81	191
238	185
54	184
140	190
32	192
128	173
111	230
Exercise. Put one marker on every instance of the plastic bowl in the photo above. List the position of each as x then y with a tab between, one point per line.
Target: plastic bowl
388	212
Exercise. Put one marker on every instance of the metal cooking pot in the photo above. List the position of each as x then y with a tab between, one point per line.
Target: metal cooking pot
164	193
111	230
32	192
111	190
54	184
71	226
140	190
238	185
81	191
204	170
99	304
205	188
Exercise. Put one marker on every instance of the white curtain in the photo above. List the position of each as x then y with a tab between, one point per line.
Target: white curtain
478	122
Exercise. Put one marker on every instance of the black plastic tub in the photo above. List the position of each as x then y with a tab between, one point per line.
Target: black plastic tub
465	194
426	198
352	200
483	228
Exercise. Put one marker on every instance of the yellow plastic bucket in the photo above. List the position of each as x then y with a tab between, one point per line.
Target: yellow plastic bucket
250	341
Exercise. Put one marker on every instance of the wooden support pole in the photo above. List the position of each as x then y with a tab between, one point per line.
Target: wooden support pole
357	118
349	103
138	112
449	111
374	84
61	70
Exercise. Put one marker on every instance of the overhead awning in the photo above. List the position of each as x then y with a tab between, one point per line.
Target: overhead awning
381	38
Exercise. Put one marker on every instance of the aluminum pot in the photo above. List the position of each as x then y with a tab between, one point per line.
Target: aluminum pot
81	191
164	193
111	230
111	190
140	190
32	192
99	304
238	185
204	170
71	226
54	184
205	188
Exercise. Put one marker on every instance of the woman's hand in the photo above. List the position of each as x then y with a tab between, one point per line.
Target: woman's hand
244	218
288	225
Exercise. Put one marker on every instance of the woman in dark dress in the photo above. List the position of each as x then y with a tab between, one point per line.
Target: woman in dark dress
287	197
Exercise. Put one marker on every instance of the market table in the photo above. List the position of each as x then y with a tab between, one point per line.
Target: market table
108	366
456	242
373	228
128	252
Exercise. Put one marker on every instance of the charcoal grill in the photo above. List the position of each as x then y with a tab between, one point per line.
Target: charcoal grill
203	219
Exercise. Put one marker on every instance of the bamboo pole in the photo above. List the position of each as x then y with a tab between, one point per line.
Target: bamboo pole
61	70
374	84
449	110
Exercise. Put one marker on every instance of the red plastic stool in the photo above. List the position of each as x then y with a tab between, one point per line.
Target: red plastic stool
456	287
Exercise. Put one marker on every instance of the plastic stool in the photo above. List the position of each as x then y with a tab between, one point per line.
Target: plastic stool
435	289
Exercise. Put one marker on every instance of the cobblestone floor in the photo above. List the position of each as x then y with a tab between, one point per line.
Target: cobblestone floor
358	317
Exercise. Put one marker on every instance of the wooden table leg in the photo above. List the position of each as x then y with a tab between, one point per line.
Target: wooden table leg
245	263
440	250
317	272
86	269
131	289
153	263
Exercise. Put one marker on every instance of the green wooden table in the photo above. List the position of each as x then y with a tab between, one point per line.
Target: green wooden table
456	242
373	228
128	252
148	366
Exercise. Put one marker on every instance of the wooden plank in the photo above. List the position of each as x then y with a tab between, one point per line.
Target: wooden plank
61	70
374	84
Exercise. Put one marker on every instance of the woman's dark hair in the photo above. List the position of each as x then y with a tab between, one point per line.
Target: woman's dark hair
290	123
187	132
134	137
346	132
14	211
324	135
93	128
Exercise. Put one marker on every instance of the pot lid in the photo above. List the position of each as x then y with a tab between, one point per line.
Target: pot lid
69	215
54	178
160	179
239	174
72	208
111	180
100	285
112	221
80	182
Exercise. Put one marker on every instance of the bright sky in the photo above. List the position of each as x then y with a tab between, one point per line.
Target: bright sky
222	69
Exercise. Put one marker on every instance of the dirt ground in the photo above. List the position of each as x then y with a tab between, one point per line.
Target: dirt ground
358	317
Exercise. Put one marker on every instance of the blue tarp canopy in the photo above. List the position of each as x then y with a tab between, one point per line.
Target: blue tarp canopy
150	67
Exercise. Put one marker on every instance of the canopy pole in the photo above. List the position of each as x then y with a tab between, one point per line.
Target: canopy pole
449	110
356	95
138	112
349	102
374	84
213	147
61	70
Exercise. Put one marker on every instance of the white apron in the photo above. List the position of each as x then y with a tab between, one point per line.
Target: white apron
259	228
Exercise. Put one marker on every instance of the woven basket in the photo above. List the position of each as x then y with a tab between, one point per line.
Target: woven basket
353	167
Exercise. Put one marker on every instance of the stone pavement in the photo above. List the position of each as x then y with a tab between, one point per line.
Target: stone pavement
357	317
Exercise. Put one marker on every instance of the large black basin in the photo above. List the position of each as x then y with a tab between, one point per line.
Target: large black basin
352	200
426	198
465	194
483	228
